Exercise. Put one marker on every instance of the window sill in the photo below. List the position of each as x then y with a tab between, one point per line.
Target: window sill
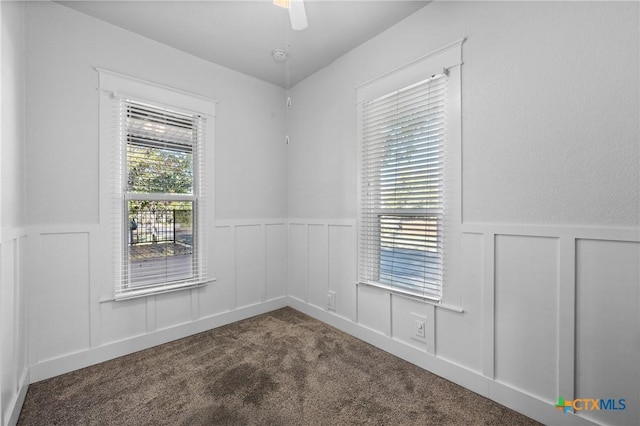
136	294
423	299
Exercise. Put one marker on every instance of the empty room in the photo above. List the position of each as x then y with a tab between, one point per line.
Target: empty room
319	212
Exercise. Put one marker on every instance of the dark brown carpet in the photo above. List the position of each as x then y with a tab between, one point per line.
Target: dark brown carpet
281	368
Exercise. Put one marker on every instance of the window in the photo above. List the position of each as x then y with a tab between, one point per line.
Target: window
157	187
403	145
161	198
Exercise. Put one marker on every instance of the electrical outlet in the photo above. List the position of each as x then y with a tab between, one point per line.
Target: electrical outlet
419	328
331	300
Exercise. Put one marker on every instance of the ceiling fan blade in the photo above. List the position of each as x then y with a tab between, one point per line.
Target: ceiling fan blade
297	15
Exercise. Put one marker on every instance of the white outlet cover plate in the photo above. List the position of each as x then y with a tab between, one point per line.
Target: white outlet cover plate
331	300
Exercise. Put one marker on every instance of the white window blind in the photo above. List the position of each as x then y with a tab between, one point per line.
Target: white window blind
159	202
401	212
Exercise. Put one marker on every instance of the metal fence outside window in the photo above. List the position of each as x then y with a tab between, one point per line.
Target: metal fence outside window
157	226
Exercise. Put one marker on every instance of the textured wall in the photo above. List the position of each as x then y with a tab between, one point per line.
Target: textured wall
63	47
550	204
13	290
550	137
550	106
13	120
73	323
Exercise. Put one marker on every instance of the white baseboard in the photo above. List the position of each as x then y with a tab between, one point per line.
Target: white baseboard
512	398
71	362
16	405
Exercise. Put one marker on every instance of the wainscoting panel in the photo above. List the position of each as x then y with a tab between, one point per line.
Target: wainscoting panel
276	254
61	294
171	309
250	265
544	311
21	302
219	296
460	333
526	313
322	258
123	320
318	284
298	258
512	337
75	321
374	309
342	267
608	328
14	360
9	308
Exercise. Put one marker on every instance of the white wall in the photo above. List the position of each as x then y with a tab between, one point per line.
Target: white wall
14	376
550	204
550	107
72	325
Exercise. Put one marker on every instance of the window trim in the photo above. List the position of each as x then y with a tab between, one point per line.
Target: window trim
447	58
113	86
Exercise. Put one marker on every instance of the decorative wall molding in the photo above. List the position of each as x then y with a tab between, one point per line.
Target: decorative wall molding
315	256
546	259
98	328
558	231
515	399
249	222
70	362
325	222
14	322
15	406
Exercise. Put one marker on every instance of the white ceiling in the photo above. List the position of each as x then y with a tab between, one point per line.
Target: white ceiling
242	34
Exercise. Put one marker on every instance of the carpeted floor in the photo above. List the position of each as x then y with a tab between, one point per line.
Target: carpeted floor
280	368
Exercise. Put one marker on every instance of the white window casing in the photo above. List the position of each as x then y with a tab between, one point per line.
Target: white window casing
156	182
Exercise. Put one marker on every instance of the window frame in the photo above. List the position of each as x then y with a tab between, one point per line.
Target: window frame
114	89
446	59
